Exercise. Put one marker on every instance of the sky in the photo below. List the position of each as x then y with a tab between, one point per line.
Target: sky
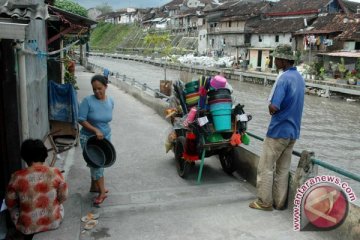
117	4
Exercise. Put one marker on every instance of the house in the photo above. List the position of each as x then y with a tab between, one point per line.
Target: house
93	13
347	41
111	17
23	88
64	29
32	33
282	20
235	37
189	16
210	31
267	34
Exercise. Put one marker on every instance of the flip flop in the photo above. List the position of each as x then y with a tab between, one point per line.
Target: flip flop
256	205
90	224
90	216
97	191
99	200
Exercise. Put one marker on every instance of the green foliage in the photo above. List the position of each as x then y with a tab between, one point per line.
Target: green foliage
357	65
107	36
70	78
297	57
341	66
160	42
71	6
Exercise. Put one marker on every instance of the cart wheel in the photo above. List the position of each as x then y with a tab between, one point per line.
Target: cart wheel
227	162
181	165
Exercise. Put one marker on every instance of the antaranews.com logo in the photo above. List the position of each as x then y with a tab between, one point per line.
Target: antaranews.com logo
321	203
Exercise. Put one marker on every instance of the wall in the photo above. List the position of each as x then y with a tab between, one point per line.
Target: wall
349	46
202	41
36	77
268	40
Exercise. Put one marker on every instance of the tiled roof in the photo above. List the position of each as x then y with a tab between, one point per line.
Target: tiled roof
270	26
294	6
23	10
351	31
174	4
352	6
244	11
332	23
71	18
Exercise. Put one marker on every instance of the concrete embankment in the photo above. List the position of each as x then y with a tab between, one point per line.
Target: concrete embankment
247	165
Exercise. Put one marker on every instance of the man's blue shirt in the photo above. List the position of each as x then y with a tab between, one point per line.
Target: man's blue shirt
106	72
288	98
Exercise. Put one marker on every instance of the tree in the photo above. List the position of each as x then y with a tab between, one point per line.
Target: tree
71	6
160	43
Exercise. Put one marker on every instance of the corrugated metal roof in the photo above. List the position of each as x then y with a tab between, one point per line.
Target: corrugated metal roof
24	9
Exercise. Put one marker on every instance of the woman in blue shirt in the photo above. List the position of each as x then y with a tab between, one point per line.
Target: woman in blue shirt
95	113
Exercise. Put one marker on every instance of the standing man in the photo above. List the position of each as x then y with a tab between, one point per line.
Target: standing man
285	108
267	63
106	73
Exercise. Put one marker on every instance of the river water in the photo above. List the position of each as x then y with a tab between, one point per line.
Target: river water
330	127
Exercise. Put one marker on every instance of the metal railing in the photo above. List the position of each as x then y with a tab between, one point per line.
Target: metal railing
131	81
321	163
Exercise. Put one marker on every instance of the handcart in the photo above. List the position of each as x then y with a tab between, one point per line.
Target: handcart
199	138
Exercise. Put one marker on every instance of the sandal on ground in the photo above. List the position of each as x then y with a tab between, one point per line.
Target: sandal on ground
90	216
90	224
99	200
257	205
97	191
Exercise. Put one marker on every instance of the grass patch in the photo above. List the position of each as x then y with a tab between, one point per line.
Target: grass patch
107	36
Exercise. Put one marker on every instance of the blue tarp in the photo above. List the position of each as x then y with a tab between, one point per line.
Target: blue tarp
63	104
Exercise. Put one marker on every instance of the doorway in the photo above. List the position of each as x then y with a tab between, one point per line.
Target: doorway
9	115
259	60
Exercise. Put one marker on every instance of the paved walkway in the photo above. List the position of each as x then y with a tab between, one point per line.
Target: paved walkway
148	200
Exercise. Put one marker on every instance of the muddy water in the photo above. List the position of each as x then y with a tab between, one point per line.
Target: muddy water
330	127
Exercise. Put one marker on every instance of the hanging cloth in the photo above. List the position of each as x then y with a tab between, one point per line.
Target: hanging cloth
63	104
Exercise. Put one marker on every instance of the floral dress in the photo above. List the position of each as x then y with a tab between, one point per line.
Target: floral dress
34	197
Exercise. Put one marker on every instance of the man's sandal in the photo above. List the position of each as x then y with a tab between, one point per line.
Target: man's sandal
256	205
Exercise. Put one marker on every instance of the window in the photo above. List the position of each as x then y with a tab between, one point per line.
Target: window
357	45
290	39
229	24
277	38
260	39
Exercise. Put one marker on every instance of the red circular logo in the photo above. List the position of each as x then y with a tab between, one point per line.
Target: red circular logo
326	206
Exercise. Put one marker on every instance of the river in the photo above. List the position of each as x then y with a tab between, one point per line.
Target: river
330	127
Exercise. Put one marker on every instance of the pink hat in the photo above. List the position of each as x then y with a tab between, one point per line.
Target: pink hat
218	82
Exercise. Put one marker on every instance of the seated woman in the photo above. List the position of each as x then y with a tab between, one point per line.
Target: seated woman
35	194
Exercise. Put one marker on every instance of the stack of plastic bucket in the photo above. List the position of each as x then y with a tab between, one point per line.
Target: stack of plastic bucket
192	93
220	108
